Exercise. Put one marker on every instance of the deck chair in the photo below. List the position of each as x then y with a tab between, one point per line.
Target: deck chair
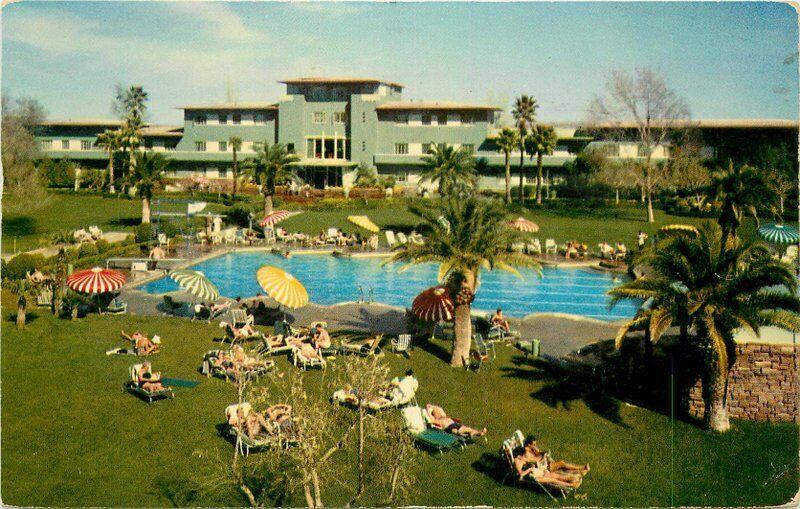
45	298
303	362
550	246
512	444
425	436
402	343
133	386
231	336
534	247
240	317
478	356
518	247
390	240
170	306
115	307
370	347
790	256
401	238
498	333
331	235
270	439
209	369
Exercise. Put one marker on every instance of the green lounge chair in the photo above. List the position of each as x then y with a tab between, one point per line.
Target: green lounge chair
115	307
368	348
431	438
133	386
512	444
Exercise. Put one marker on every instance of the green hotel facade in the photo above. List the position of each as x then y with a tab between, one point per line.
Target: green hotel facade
334	124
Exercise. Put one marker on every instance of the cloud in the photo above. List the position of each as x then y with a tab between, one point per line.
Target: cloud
327	8
223	23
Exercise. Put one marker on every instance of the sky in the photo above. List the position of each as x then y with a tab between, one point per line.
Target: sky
729	60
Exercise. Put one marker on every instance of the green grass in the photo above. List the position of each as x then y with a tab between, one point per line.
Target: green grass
71	436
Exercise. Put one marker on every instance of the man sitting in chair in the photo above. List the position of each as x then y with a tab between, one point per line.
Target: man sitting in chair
148	380
499	321
529	460
440	419
142	345
321	340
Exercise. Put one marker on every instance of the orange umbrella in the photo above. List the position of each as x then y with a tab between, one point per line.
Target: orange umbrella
433	305
96	280
524	225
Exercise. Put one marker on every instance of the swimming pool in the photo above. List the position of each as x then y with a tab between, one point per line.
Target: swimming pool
330	280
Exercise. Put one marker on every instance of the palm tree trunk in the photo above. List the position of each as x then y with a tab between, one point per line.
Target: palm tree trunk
521	174
616	196
131	160
651	218
539	178
267	204
22	305
508	177
463	335
714	384
235	170
145	210
111	172
547	182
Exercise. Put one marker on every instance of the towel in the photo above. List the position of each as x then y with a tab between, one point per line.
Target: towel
177	382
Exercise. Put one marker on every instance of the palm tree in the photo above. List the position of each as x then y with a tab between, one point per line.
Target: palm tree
506	143
452	169
111	142
148	173
524	113
21	288
366	177
271	166
236	145
713	285
131	104
466	236
741	189
542	141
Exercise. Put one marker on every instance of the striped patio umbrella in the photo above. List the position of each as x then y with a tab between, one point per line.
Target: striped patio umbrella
524	225
364	222
779	233
275	217
96	280
282	286
433	305
196	283
679	228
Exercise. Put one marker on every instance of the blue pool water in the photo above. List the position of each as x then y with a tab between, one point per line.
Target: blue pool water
330	280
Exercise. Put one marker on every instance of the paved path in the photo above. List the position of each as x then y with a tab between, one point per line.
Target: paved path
48	251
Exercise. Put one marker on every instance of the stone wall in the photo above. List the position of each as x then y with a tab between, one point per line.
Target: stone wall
764	384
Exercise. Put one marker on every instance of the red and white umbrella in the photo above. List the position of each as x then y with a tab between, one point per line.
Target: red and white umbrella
96	280
524	225
275	217
433	305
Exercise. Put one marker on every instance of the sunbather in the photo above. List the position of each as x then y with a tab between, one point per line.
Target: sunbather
529	460
281	415
157	253
498	320
242	333
142	344
149	380
252	423
440	419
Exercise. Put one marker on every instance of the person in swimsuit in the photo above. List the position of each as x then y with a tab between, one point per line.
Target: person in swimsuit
441	420
142	344
148	380
498	320
532	461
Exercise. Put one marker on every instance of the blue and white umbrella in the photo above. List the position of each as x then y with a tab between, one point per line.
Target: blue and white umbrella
196	283
779	233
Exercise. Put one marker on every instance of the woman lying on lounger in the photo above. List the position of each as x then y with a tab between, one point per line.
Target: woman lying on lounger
148	380
243	333
281	415
240	358
529	460
439	419
141	343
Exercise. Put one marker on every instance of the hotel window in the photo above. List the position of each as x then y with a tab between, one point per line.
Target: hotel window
338	117
426	148
65	144
466	119
200	120
237	118
86	145
223	118
441	119
468	147
260	119
426	119
223	146
46	144
363	146
401	177
402	119
363	116
319	117
401	148
200	146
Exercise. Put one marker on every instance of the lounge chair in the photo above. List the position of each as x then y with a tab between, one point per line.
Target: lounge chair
332	236
367	348
550	247
512	444
133	386
267	349
115	307
230	335
209	369
240	317
402	343
170	306
497	332
270	439
534	247
45	298
479	356
401	238
432	438
304	362
238	237
518	247
390	240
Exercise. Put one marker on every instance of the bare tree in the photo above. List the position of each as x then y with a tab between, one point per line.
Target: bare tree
687	171
614	174
643	103
21	185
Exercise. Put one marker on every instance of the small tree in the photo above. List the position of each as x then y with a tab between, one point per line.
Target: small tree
542	141
452	169
524	114
614	174
269	168
506	143
645	104
148	173
689	173
22	289
21	188
366	177
131	105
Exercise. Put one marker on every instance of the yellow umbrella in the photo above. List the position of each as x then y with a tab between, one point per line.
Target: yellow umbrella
364	222
282	286
679	228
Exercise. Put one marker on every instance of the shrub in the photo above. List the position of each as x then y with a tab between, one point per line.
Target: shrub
71	254
62	237
102	245
87	249
17	267
57	173
170	228
239	215
144	233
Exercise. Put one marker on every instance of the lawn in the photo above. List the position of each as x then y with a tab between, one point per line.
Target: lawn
71	436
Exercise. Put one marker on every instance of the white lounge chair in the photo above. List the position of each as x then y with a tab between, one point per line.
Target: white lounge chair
163	240
401	238
303	362
402	343
550	246
390	240
518	247
332	236
791	255
534	247
139	267
240	317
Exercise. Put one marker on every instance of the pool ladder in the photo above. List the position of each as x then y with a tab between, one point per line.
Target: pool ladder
361	298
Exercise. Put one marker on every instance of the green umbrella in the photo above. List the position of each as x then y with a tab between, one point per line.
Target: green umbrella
779	233
196	283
